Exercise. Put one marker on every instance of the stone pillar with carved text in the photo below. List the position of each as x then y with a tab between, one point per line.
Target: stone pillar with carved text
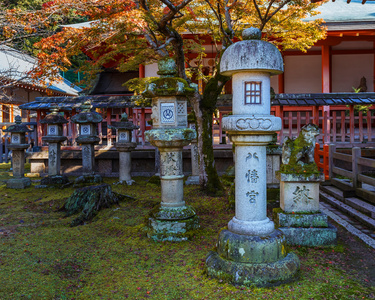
172	220
251	251
194	177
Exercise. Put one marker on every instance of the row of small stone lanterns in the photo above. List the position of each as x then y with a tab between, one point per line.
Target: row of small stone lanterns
87	121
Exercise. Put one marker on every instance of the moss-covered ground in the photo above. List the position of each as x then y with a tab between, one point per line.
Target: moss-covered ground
42	257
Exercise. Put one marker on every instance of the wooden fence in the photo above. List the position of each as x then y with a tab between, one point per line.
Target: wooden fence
357	164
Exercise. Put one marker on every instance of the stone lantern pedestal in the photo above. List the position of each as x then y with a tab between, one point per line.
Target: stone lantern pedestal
88	136
172	220
18	146
124	146
251	251
54	138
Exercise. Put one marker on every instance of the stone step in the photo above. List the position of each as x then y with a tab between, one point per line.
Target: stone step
366	194
333	191
366	220
362	206
344	186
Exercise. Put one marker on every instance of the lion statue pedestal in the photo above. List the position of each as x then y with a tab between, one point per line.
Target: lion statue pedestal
299	216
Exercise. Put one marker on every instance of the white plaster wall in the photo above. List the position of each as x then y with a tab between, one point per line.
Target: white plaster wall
347	70
151	70
274	81
303	74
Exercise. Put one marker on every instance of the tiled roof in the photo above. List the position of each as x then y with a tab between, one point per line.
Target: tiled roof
69	103
312	99
323	99
15	66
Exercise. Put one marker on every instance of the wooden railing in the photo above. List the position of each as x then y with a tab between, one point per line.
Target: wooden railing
321	156
357	162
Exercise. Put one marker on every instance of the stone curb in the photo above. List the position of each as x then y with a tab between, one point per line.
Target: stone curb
365	238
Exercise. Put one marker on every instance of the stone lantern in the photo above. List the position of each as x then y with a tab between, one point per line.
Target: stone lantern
251	251
88	135
18	146
124	146
54	138
172	220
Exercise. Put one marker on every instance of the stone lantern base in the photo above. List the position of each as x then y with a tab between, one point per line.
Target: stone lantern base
192	180
299	217
252	260
55	180
18	183
172	223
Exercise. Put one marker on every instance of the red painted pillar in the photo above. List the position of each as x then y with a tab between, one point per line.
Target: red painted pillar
281	79
141	71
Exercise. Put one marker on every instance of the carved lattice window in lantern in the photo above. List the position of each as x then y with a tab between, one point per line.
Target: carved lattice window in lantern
253	92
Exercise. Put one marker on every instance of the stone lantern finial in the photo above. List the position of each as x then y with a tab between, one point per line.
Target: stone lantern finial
18	119
124	117
86	106
167	67
252	34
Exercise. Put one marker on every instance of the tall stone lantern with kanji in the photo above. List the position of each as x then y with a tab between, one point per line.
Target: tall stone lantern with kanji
88	136
54	138
124	146
18	146
172	220
251	251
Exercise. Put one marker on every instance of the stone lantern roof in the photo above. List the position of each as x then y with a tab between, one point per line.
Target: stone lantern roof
123	124
86	115
18	127
54	117
168	84
251	54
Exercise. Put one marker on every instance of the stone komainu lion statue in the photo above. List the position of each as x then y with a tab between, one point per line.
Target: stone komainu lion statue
300	151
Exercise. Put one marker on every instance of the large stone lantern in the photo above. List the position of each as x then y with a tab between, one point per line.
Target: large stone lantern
54	138
172	219
251	251
88	135
18	146
124	146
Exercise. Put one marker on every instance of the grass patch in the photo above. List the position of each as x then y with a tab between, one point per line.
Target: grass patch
42	257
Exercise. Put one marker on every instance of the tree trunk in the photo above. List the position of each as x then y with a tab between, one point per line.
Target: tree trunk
204	107
87	201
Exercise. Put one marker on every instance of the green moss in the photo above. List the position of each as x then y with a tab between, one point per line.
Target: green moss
42	257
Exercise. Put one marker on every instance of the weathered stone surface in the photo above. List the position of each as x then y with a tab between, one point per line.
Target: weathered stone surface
250	274
252	249
55	180
18	183
251	55
88	179
308	220
172	230
300	177
172	213
299	196
251	123
311	237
